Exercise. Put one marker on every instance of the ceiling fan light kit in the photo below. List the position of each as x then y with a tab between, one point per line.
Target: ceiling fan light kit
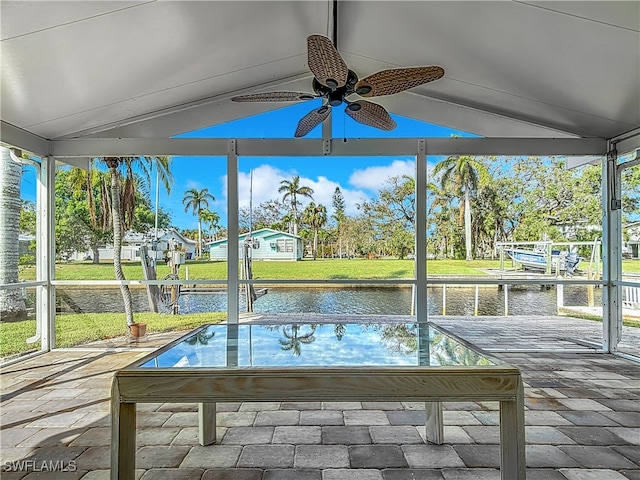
334	81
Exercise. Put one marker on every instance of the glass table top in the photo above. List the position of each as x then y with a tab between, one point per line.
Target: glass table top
326	344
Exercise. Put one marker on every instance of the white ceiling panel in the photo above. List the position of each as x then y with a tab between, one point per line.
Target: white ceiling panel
506	55
69	12
159	68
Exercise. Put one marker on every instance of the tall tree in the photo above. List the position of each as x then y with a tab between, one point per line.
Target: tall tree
122	189
315	216
441	210
11	302
292	190
339	216
465	172
198	200
212	219
388	215
269	214
83	210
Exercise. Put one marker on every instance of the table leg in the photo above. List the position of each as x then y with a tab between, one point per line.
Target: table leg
434	422
123	441
207	423
512	439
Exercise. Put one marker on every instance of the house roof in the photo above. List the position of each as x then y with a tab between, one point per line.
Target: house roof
262	232
131	236
156	69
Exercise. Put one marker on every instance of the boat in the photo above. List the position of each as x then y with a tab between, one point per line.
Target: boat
536	259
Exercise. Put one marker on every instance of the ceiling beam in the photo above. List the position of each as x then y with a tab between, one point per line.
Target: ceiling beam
16	137
628	142
101	147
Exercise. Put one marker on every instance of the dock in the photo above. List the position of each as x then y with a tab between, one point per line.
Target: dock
627	313
219	290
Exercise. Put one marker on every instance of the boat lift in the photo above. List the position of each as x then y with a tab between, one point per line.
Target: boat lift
551	257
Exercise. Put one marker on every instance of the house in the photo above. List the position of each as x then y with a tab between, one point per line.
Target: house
631	240
25	242
268	244
168	239
171	239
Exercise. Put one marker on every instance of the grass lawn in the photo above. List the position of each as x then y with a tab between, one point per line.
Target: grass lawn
78	329
631	266
307	269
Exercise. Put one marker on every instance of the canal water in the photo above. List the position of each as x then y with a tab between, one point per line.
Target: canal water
522	300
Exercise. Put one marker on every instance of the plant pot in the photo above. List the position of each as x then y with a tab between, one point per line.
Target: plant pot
138	330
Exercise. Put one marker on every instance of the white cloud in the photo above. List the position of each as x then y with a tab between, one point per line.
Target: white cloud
266	181
323	190
373	178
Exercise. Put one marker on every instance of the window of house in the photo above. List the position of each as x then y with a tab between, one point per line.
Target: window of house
285	245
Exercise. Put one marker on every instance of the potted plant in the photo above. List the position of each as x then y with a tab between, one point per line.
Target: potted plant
137	330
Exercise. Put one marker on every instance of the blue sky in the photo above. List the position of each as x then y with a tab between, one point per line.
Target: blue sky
359	178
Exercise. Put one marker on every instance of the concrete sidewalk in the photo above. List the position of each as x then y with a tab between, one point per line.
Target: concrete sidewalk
583	423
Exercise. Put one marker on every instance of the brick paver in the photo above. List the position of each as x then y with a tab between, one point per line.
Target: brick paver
582	417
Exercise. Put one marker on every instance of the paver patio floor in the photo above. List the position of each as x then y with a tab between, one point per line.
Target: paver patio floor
582	417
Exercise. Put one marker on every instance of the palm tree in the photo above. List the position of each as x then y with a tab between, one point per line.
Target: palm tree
94	185
212	219
11	302
465	172
294	340
339	329
198	200
122	191
440	208
315	216
292	189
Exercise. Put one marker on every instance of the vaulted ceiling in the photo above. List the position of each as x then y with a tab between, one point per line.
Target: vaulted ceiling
160	68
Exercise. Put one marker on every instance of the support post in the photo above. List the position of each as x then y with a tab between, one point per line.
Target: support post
46	252
149	273
420	258
207	423
611	253
559	297
512	437
506	299
232	227
175	289
444	299
434	422
590	289
123	436
475	301
326	135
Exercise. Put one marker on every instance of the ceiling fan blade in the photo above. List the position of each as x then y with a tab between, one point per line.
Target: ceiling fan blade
311	120
370	114
388	82
274	97
325	62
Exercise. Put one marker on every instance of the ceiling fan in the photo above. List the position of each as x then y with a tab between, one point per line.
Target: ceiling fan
334	82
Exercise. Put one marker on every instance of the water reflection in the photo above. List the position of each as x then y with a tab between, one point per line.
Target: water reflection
317	345
447	352
293	340
201	338
523	300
